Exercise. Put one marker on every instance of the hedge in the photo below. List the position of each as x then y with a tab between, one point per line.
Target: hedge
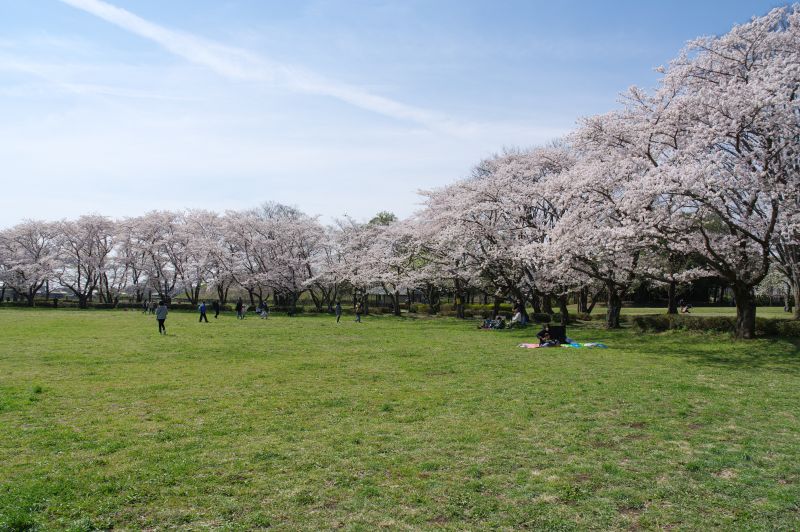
727	324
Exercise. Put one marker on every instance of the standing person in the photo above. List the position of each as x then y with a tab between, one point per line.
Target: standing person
153	307
145	306
215	307
338	311
161	316
202	309
358	312
239	309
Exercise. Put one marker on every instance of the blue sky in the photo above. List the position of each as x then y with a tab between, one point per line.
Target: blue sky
336	107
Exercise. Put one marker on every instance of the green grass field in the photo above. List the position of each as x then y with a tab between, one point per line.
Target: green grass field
300	423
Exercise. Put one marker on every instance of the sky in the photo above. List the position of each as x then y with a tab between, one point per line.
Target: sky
336	107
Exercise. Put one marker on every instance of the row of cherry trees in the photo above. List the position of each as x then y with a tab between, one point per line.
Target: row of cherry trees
273	249
699	177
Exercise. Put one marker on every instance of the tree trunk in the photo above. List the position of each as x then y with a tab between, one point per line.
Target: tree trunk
745	311
547	304
536	303
496	309
316	300
583	300
672	305
83	301
459	300
614	307
796	294
563	309
29	296
594	300
396	302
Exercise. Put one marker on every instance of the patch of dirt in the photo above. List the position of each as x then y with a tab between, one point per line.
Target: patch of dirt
637	425
726	473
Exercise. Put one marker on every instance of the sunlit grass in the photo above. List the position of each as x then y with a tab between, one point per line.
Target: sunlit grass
305	424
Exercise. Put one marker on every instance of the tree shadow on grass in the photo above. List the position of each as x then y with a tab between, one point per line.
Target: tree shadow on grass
774	354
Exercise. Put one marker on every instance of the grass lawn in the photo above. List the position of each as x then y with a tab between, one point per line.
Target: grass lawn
300	423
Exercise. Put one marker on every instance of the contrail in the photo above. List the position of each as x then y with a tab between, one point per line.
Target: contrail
239	64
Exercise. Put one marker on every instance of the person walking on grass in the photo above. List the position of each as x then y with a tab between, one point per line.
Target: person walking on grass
338	311
202	309
215	308
239	306
358	312
161	317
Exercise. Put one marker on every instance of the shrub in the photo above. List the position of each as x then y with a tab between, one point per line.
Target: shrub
286	309
540	317
778	327
727	324
477	307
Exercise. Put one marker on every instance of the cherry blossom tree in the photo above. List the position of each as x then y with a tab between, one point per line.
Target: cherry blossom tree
28	257
84	247
734	169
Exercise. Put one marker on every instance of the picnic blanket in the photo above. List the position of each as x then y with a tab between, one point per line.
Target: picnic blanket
590	345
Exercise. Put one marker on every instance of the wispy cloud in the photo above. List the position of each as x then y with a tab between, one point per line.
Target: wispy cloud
58	75
239	64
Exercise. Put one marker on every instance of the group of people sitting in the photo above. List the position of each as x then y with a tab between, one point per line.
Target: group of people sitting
498	322
549	336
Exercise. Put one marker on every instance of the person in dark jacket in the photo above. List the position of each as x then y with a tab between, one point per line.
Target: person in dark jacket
161	317
215	308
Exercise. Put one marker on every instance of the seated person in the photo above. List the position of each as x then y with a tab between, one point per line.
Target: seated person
517	320
686	308
546	339
493	323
